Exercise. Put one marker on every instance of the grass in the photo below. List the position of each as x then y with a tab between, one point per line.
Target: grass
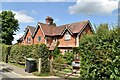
42	74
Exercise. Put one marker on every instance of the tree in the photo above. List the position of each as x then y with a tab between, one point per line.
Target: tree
9	25
100	54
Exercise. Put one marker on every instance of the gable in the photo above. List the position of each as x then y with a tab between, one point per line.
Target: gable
39	34
28	34
86	28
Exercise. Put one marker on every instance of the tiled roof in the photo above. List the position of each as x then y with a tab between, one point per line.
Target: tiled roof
52	30
47	29
32	29
76	27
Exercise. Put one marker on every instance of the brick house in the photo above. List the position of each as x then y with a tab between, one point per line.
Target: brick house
65	37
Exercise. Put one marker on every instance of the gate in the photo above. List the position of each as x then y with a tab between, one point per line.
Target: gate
64	70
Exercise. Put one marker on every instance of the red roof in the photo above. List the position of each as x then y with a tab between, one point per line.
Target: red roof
32	29
52	30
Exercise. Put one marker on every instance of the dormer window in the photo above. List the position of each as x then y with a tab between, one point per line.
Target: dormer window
67	36
38	38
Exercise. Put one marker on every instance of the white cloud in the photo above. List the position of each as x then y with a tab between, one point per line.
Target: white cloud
94	7
21	16
16	37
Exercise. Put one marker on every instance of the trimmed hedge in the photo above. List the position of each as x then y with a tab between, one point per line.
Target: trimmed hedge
100	56
5	52
19	53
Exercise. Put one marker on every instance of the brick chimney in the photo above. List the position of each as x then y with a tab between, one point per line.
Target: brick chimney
49	20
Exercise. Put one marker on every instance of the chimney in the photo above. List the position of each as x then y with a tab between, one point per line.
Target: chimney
49	20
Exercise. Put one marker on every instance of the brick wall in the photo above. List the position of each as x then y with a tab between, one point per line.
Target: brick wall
28	36
39	33
67	43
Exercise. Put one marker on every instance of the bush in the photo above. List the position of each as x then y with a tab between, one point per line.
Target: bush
59	59
69	56
19	53
100	55
5	52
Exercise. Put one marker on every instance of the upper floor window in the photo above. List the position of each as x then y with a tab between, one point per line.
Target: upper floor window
39	38
67	36
28	40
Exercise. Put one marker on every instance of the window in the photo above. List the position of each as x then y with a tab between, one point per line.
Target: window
65	51
67	36
28	40
39	38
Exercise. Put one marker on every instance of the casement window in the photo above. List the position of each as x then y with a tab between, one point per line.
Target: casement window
67	36
28	40
38	38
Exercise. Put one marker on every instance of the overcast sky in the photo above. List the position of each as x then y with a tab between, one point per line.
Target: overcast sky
29	12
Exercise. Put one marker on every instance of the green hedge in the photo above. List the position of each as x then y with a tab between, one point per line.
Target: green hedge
18	54
5	52
100	55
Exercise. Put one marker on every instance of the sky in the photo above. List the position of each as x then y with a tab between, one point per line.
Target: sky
29	12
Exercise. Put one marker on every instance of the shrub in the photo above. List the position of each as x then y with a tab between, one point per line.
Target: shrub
69	56
19	53
59	59
5	52
100	55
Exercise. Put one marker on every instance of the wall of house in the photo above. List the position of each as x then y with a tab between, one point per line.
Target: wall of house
67	43
87	31
49	41
28	36
39	33
63	50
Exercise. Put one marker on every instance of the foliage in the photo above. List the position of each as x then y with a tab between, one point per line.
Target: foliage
38	74
56	52
42	52
59	59
100	54
5	52
19	53
69	56
9	26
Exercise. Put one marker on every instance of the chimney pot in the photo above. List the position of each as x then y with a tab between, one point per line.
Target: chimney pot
49	20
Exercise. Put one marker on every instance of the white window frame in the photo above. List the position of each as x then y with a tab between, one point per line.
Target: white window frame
38	38
67	36
28	40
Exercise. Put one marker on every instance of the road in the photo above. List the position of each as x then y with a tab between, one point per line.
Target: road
7	73
4	73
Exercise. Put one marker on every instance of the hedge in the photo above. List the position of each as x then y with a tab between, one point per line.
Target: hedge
5	52
19	53
100	56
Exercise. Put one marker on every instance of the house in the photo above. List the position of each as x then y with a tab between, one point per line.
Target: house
27	38
65	37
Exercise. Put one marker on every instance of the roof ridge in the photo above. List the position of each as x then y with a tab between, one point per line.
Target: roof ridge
74	23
